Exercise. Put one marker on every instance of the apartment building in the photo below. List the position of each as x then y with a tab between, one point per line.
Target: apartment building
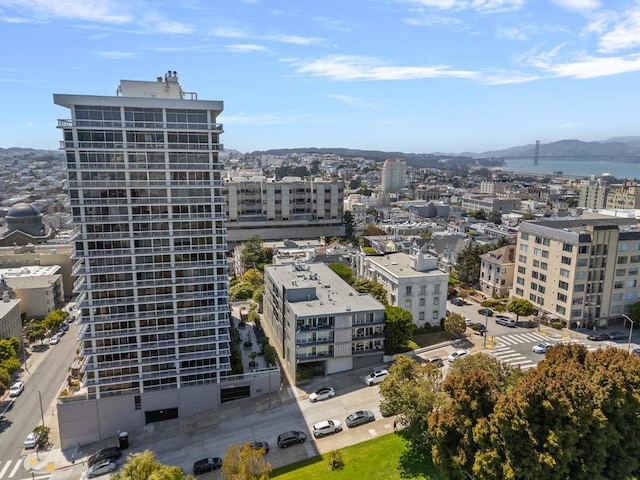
40	289
496	271
290	208
10	318
490	204
583	270
625	197
318	321
394	175
412	281
150	255
593	194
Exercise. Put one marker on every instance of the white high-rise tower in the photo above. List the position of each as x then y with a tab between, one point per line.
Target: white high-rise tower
150	252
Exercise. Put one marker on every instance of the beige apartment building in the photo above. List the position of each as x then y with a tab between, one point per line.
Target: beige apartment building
583	270
291	208
496	271
625	197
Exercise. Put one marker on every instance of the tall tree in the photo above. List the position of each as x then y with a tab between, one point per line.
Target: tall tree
374	289
349	225
242	462
411	391
521	307
343	271
455	325
145	466
398	329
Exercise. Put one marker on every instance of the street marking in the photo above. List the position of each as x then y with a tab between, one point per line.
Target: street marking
15	469
6	467
372	432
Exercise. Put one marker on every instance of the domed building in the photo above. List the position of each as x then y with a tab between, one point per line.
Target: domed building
24	226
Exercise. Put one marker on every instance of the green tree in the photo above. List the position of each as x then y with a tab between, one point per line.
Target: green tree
349	225
5	378
241	291
7	349
343	271
251	255
521	307
253	277
398	329
245	463
36	332
478	214
43	435
411	391
374	289
455	325
12	365
145	466
634	312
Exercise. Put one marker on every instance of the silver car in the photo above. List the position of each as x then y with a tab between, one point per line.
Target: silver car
101	469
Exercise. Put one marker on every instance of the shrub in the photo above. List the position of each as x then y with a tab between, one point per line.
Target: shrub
304	373
268	351
412	345
557	325
335	460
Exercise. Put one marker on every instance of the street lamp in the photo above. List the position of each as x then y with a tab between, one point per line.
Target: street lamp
630	332
486	321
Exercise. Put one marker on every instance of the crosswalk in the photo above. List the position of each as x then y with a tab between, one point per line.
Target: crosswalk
519	338
512	358
15	469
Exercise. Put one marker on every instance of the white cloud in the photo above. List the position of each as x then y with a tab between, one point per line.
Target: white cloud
246	48
488	6
592	67
567	125
117	54
105	11
229	32
294	39
512	33
580	5
352	101
434	20
623	35
368	68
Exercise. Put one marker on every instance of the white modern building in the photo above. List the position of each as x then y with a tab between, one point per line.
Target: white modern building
319	322
39	288
412	281
394	174
150	256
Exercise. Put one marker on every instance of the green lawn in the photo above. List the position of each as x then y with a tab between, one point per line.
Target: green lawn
384	458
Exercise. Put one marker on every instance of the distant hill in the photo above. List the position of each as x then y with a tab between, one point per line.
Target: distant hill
625	149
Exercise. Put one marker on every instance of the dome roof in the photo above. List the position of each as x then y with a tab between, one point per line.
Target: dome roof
23	210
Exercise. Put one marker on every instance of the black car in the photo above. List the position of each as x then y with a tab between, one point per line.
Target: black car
598	337
263	446
207	465
487	312
458	301
479	328
289	438
109	453
359	418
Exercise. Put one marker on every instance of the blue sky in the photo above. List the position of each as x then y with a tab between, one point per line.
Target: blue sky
408	75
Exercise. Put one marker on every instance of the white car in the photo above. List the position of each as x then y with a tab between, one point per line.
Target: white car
101	468
541	347
16	389
377	376
54	340
457	354
326	427
322	394
31	441
469	322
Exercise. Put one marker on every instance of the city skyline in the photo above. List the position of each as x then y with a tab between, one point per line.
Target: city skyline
394	75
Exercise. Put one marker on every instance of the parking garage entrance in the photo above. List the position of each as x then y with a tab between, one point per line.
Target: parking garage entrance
160	415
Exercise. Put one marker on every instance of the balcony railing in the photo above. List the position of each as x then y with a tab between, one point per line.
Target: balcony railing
120	145
212	127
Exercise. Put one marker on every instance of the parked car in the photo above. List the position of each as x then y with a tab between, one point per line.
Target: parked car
289	438
457	354
506	321
437	361
468	321
108	453
322	394
326	427
618	335
207	465
479	328
635	352
16	389
32	440
458	301
487	312
377	376
263	446
359	418
54	340
598	337
541	347
101	468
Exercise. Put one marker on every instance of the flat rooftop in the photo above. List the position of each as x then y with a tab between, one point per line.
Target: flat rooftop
321	291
